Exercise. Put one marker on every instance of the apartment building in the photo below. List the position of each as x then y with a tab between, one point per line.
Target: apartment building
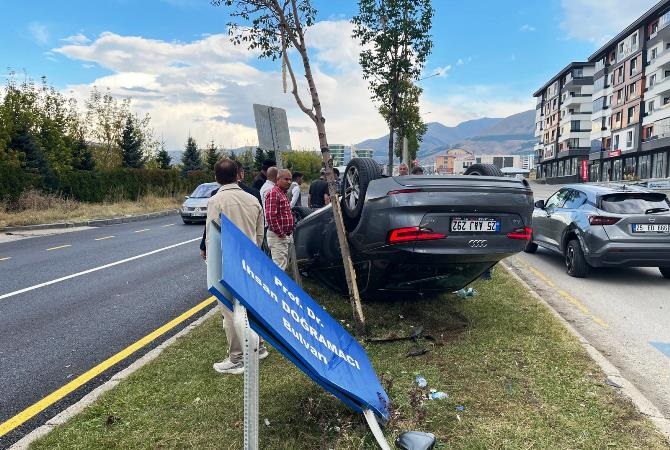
629	114
563	123
361	152
337	153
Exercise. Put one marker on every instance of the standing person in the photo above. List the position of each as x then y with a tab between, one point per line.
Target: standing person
262	176
279	219
318	192
269	183
296	199
403	169
245	188
245	212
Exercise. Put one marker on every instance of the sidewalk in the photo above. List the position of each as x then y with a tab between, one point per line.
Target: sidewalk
513	375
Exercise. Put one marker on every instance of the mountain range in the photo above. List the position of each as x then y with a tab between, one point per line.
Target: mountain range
503	136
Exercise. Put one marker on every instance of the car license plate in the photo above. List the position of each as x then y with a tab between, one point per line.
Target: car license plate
467	224
651	228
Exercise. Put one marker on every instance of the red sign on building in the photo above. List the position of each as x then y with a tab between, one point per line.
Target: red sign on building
585	169
614	153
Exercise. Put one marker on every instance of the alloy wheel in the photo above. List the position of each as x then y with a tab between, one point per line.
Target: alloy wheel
351	188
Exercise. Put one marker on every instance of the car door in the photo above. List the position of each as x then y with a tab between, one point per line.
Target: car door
543	224
564	215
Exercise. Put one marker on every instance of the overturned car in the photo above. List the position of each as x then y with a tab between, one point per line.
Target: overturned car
415	234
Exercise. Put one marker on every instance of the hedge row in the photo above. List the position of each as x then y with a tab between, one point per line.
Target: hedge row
105	185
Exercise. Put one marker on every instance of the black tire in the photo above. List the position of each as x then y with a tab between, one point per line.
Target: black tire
300	212
665	271
357	176
485	170
575	262
531	247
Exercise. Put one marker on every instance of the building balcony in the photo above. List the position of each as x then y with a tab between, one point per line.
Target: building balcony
661	60
573	151
577	81
660	87
656	141
661	112
577	99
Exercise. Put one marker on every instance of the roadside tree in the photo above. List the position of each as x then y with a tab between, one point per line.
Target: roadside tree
191	159
131	146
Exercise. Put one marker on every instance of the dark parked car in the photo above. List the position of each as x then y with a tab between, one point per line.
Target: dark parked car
604	225
416	234
194	208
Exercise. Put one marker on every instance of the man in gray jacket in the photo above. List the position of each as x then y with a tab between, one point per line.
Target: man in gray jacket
245	212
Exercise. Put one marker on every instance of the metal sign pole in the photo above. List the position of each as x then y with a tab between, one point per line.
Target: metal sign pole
376	429
250	351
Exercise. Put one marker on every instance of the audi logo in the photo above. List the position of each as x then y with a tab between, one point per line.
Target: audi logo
478	243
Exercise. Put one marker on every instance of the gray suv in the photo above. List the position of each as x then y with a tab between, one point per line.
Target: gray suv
604	225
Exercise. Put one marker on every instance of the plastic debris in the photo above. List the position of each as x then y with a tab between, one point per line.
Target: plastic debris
267	422
460	408
464	293
421	381
438	395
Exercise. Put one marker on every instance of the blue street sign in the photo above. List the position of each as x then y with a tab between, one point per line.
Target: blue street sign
281	312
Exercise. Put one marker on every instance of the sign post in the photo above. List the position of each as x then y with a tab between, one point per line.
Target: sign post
297	326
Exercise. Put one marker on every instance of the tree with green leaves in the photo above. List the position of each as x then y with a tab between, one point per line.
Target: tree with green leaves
163	159
259	157
131	146
82	157
271	28
396	41
105	119
212	156
191	159
410	123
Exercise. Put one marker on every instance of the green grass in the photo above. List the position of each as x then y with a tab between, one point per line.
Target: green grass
523	380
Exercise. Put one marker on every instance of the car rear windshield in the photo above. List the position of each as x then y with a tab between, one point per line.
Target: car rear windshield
634	203
203	191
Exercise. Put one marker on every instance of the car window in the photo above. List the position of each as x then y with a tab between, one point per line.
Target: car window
204	191
575	199
557	200
634	203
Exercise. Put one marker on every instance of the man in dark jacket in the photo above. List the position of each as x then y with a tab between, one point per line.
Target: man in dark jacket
245	188
259	181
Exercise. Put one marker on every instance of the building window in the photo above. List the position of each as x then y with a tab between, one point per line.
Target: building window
620	74
617	117
633	40
621	47
617	166
652	80
616	142
603	124
633	66
574	125
631	114
632	90
650	107
666	74
619	96
629	169
659	165
629	139
644	166
654	28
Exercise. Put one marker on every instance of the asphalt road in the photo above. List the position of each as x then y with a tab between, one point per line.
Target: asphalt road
102	301
624	313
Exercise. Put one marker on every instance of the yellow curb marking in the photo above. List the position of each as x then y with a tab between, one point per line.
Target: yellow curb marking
103	238
59	247
579	305
84	378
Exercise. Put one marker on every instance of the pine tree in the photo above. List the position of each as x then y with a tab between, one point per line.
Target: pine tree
212	156
131	146
191	159
82	157
259	158
163	158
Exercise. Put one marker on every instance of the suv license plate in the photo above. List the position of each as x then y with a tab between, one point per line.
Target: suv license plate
651	228
467	225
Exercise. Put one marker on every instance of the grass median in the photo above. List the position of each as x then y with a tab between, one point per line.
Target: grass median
515	378
35	207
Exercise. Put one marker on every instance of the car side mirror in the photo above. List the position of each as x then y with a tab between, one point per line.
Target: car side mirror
186	197
539	204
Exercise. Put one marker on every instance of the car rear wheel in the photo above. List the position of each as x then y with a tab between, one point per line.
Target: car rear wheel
357	176
665	271
486	170
574	260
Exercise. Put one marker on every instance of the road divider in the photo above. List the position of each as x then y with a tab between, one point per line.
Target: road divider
95	269
84	378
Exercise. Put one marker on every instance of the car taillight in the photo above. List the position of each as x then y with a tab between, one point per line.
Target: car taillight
403	191
522	234
410	234
603	220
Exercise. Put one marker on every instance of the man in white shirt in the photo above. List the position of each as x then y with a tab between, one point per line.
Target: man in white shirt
295	189
269	183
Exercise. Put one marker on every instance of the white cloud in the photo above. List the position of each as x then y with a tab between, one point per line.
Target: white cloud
206	87
39	32
76	39
598	21
527	28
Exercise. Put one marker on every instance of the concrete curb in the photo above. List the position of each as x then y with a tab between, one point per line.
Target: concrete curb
614	377
92	396
90	223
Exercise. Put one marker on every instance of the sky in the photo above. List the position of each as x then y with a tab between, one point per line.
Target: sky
174	59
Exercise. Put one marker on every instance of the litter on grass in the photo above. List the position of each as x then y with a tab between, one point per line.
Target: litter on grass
464	293
421	381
